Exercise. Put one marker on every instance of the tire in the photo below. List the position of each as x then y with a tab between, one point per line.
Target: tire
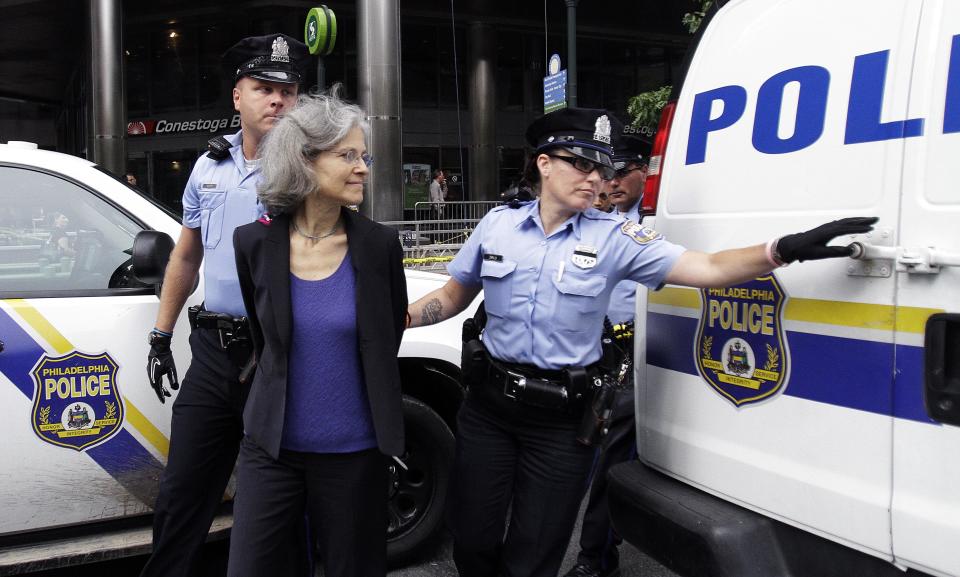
417	495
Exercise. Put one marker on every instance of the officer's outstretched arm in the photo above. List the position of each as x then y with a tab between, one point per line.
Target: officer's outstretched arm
441	304
719	269
729	267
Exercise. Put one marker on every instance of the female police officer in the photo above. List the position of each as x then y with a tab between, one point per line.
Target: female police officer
547	269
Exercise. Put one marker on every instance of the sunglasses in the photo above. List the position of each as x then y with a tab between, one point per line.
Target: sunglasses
586	166
623	172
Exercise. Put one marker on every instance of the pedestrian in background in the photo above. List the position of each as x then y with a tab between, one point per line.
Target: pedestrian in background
602	203
547	269
220	195
327	299
438	191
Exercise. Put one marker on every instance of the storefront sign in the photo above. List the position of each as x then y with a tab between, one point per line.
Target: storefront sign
150	127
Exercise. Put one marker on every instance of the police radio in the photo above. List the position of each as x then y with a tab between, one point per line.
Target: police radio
218	148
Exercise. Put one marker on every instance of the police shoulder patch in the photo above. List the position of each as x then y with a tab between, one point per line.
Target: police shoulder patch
639	234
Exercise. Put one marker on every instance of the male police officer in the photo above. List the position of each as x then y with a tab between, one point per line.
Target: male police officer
220	195
598	555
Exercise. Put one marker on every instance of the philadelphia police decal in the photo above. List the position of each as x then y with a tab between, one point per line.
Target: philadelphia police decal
741	347
75	402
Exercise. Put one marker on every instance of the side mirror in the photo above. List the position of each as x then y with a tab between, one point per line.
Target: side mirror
151	252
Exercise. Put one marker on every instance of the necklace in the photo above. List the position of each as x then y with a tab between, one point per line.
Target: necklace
336	225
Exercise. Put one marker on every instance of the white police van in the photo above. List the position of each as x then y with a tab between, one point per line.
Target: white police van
84	438
807	423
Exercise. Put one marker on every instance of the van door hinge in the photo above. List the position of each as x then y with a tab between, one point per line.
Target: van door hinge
879	262
877	259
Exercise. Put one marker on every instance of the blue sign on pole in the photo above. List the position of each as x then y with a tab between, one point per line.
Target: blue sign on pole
555	91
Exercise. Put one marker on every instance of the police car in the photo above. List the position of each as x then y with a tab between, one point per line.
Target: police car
807	422
83	437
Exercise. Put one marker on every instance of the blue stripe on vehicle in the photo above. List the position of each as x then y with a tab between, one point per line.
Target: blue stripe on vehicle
122	456
852	373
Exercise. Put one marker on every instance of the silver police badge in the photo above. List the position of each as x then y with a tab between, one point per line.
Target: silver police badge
601	130
584	256
741	348
281	50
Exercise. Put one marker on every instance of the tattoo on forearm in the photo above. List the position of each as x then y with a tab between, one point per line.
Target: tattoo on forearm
432	312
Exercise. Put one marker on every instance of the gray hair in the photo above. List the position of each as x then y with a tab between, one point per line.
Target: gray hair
317	123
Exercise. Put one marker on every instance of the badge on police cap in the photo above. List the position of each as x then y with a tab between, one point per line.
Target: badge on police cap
584	256
281	50
601	130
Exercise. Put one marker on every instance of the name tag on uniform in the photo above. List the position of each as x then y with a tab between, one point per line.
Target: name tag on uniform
493	257
584	256
208	185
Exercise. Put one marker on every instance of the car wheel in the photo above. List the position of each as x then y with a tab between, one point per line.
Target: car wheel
417	494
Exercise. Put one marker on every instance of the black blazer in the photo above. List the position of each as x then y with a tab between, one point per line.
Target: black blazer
263	266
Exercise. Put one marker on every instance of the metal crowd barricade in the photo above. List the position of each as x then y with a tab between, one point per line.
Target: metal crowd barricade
438	231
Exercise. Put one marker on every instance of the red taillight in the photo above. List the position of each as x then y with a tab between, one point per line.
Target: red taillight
651	190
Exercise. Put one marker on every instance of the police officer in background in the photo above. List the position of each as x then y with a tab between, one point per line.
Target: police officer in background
547	269
598	555
220	195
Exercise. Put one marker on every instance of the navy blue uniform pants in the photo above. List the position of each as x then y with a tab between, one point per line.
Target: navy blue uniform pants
598	540
343	493
522	459
205	435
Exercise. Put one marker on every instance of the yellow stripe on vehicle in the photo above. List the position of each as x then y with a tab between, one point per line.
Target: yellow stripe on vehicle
827	312
41	325
143	425
61	345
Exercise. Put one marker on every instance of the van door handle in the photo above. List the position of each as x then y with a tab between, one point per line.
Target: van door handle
941	368
923	260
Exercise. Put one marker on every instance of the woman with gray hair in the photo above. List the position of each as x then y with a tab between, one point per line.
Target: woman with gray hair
326	295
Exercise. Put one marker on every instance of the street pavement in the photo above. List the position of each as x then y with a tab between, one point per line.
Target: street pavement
633	563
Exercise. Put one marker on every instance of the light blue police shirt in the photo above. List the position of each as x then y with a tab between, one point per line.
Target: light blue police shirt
545	296
219	197
624	296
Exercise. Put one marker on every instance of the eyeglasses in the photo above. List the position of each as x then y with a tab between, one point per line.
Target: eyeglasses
623	172
351	156
586	166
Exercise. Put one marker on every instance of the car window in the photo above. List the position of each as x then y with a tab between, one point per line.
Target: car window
59	238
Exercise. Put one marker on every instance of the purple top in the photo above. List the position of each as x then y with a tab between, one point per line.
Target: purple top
327	408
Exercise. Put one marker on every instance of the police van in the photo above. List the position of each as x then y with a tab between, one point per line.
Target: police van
807	422
84	438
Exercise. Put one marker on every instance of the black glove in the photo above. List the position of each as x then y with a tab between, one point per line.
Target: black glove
160	363
812	244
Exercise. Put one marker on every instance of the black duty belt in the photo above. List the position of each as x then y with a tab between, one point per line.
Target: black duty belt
231	330
562	390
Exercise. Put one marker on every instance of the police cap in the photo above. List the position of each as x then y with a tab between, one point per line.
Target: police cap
630	148
274	57
590	133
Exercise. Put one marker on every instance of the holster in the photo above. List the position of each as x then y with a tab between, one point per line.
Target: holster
234	333
474	362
